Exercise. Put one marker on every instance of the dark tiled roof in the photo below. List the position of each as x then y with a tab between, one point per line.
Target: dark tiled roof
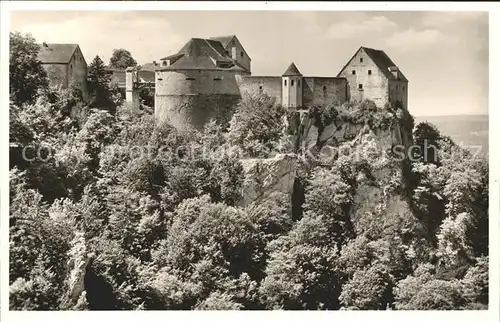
150	67
200	53
56	53
172	57
292	70
224	40
383	62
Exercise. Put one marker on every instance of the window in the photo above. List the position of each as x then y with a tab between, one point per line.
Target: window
218	78
360	86
397	87
324	88
403	88
298	83
241	54
190	78
361	60
285	82
260	89
369	71
354	72
291	82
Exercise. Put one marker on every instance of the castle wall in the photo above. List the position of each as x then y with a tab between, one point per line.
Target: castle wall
57	74
269	85
398	91
324	90
195	96
375	85
237	53
77	72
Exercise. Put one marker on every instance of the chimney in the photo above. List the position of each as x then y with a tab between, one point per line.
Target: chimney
154	62
395	71
45	44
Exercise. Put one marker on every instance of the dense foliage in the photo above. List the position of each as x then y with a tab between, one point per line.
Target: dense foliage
121	58
118	212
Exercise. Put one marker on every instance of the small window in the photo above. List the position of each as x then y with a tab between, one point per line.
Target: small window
354	72
360	86
291	82
241	54
324	88
218	78
260	87
285	82
361	60
190	78
369	71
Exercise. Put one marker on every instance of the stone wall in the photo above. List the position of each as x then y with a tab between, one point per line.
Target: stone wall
398	91
253	85
57	74
195	96
375	85
195	110
77	72
324	90
238	53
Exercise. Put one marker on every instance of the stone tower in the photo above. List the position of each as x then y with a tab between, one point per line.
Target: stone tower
291	87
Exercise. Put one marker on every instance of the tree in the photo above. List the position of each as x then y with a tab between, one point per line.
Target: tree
26	74
427	137
369	289
122	59
256	126
99	86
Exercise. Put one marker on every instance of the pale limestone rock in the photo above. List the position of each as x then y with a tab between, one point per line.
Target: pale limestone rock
264	176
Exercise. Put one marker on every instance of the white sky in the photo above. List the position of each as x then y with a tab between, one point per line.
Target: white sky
444	55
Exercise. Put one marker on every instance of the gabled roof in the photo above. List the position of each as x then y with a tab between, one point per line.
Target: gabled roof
224	40
56	53
292	70
200	53
381	60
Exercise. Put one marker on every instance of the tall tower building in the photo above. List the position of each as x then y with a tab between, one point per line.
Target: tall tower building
291	87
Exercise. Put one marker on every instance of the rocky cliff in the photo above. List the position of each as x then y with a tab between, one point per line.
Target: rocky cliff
377	142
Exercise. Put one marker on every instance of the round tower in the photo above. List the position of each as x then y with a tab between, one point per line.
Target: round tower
196	85
291	87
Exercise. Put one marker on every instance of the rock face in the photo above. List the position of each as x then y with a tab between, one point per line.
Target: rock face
380	199
309	135
264	176
77	267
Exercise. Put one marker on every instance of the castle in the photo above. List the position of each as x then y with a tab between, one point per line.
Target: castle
64	64
208	77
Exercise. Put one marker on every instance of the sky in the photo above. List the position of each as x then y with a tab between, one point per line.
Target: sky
443	54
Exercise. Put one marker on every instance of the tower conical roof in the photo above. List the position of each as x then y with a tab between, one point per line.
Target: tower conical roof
292	70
